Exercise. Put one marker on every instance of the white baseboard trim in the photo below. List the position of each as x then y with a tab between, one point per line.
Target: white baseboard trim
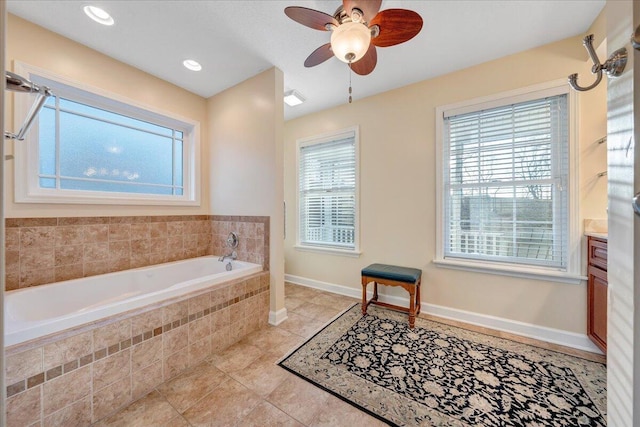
542	333
277	317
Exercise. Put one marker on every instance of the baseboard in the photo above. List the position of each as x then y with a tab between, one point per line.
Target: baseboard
542	333
277	317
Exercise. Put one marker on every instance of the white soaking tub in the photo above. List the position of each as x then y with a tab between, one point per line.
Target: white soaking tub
42	310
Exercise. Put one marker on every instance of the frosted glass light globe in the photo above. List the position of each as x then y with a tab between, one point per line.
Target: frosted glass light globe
350	41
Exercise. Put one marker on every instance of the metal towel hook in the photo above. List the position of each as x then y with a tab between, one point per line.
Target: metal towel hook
614	66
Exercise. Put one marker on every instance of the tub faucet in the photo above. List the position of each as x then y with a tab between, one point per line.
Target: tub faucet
233	255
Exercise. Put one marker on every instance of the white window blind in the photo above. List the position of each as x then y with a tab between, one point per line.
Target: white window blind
506	184
327	193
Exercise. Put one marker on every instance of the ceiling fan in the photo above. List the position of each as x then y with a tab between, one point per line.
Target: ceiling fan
358	27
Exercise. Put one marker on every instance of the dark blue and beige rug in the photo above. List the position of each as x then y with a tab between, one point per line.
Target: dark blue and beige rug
439	375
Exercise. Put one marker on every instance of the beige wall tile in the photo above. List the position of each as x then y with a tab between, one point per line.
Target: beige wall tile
68	349
175	311
34	277
12	239
12	261
95	233
68	272
220	295
199	351
69	235
37	257
199	328
139	231
67	389
220	319
146	321
95	268
158	230
110	369
119	250
24	409
199	303
220	339
37	237
176	339
146	379
111	398
96	252
111	334
12	281
23	365
146	353
77	414
175	363
119	232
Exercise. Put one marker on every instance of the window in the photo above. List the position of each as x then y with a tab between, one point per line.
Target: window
90	147
328	192
505	182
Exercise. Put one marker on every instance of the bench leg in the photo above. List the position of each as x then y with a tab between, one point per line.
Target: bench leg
412	307
375	291
364	296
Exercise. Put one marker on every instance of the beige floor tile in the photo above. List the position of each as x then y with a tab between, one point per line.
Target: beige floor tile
187	388
224	406
178	421
262	376
291	303
151	410
301	325
236	357
299	399
338	413
267	415
269	337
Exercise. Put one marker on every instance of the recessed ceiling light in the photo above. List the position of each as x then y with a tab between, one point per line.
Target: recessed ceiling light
293	98
192	65
99	15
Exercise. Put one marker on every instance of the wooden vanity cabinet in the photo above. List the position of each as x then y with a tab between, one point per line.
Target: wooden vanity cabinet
597	292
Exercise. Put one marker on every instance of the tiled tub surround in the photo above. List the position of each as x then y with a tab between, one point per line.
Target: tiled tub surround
48	250
76	378
38	311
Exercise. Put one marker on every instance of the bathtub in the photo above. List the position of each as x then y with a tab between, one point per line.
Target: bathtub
43	310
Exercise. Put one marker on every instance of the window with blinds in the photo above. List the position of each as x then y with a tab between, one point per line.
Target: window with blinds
327	169
506	183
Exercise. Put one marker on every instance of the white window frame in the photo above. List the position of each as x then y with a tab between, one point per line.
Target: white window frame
26	153
318	139
572	274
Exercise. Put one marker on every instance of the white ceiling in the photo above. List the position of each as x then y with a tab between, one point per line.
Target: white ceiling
235	40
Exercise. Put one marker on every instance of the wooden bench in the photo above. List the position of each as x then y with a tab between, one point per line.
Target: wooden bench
391	275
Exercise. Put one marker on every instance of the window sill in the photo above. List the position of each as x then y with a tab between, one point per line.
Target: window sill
330	251
513	271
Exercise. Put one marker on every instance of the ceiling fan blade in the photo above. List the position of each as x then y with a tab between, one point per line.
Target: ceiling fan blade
319	55
396	26
309	17
369	8
367	63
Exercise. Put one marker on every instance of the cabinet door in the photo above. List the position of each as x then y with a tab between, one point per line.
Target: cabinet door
597	321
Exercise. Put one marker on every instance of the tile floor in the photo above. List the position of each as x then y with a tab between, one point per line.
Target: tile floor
242	385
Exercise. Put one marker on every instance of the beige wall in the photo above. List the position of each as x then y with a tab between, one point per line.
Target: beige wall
397	187
33	45
246	160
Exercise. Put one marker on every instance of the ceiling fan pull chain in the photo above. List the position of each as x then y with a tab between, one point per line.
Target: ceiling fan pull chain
350	82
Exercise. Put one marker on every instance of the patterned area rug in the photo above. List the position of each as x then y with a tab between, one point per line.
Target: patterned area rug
439	375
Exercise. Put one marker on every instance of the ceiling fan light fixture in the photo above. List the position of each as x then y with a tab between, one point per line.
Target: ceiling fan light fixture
350	41
293	98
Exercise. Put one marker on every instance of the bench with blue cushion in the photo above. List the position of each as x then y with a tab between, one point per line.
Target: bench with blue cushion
393	275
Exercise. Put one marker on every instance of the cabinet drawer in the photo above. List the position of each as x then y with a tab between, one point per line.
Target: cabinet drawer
598	252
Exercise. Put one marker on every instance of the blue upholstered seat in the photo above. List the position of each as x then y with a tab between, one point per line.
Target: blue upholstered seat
392	272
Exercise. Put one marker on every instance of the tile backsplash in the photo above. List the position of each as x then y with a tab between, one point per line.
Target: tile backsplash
48	250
